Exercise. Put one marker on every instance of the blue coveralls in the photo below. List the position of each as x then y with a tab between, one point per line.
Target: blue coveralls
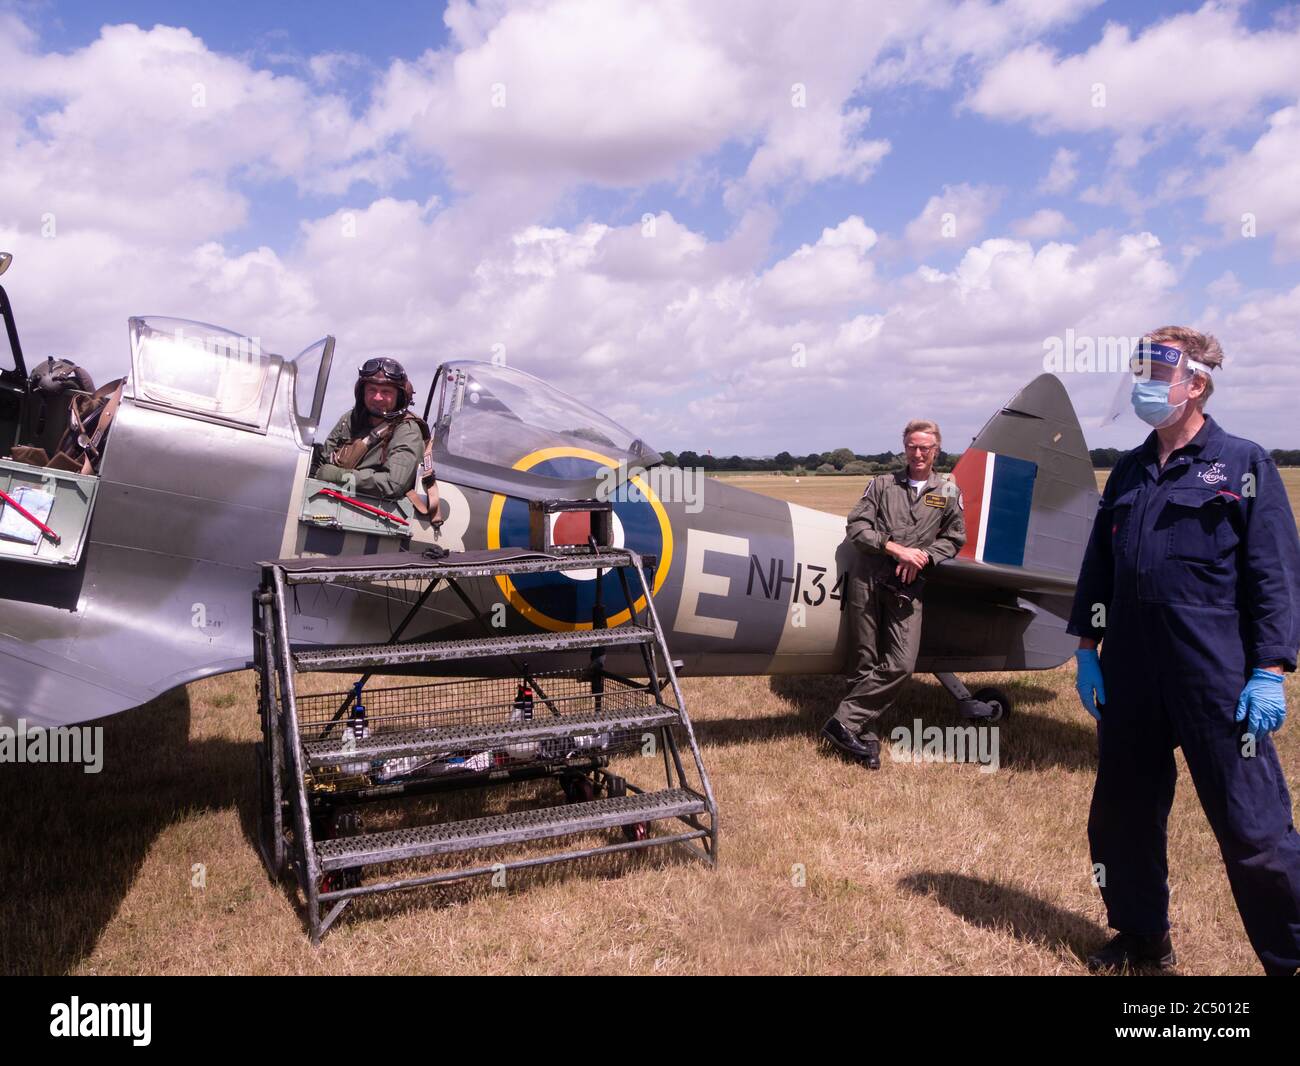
1198	568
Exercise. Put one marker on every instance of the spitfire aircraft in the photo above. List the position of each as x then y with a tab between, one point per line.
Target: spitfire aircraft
151	501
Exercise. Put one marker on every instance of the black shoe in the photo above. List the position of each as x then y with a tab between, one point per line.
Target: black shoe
835	733
1134	951
872	759
1279	971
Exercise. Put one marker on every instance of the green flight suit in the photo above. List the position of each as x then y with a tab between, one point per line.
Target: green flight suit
385	476
885	614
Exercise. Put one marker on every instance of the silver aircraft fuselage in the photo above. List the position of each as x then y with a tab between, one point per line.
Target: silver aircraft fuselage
189	502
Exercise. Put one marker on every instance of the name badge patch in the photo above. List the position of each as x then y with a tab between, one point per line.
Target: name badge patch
934	499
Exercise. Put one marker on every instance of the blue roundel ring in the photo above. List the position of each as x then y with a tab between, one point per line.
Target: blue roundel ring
565	601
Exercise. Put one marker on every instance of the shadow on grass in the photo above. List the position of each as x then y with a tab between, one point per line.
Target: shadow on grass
592	871
1008	910
1026	741
74	842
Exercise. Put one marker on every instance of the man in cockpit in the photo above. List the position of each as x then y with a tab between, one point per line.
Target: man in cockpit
377	447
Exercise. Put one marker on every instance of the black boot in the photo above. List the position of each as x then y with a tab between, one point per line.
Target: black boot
1279	971
835	733
1135	951
872	759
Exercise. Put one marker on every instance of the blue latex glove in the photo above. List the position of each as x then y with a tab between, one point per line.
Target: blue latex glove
1264	700
1088	680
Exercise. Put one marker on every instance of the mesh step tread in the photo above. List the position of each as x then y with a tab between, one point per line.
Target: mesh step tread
430	740
334	658
538	824
605	559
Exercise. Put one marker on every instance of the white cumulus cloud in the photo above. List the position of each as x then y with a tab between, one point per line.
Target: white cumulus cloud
1201	69
1044	223
1257	193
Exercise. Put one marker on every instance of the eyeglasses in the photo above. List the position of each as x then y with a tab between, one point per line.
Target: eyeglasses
920	447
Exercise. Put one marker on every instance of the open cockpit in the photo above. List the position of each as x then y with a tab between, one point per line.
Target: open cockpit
54	426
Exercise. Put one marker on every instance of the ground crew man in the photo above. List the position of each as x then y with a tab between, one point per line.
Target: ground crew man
378	446
1191	582
904	524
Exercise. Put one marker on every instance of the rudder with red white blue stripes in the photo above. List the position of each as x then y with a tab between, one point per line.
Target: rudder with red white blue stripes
997	494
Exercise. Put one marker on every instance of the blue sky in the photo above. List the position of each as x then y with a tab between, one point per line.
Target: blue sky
775	227
397	29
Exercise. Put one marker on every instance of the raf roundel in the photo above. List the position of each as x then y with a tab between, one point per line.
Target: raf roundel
564	601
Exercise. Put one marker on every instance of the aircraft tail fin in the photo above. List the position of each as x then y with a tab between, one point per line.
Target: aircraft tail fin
1028	487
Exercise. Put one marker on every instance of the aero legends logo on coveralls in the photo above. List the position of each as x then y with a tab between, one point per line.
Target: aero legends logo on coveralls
565	600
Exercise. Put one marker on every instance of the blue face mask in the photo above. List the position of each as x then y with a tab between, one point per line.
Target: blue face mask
1151	402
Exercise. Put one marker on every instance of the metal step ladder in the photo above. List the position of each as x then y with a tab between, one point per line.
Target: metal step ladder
323	767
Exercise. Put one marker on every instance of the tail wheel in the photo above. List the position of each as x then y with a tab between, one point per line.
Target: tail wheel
998	700
637	830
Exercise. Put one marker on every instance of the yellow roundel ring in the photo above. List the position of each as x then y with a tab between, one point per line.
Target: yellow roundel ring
516	599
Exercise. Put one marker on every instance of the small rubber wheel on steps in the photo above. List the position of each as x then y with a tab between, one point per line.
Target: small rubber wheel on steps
345	822
578	788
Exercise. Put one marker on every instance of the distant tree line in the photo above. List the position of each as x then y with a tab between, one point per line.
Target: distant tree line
1105	458
838	461
846	461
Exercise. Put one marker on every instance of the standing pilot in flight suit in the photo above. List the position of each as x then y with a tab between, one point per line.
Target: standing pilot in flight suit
902	527
1191	581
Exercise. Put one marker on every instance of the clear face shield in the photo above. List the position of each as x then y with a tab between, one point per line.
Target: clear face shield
1155	371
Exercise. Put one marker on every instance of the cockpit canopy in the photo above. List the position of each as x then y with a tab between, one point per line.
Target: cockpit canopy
211	373
202	370
497	415
486	418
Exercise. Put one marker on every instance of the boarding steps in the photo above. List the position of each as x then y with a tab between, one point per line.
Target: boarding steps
321	773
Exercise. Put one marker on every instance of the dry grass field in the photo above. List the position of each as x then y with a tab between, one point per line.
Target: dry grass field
921	868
